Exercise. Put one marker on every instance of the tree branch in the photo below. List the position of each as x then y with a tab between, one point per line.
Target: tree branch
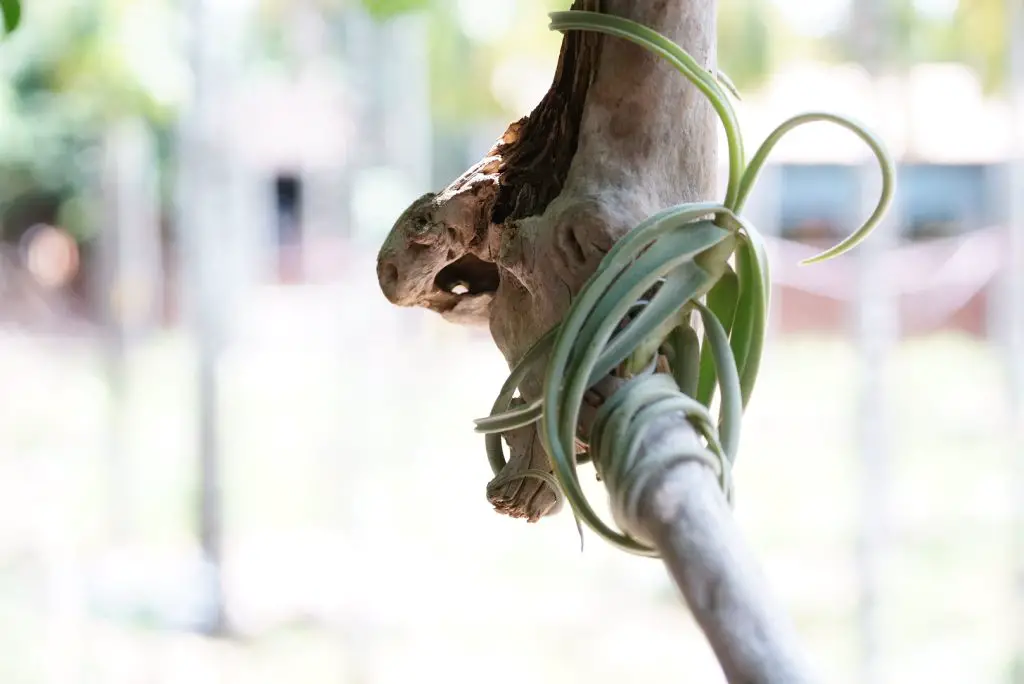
689	521
619	136
646	141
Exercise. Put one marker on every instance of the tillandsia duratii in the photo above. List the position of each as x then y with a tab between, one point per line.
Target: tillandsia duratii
635	316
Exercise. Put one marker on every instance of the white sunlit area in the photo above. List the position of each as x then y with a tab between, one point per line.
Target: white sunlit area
225	457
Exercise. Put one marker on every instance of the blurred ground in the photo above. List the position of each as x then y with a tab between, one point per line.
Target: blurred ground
360	547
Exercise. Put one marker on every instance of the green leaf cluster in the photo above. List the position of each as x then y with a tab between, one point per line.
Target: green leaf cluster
716	267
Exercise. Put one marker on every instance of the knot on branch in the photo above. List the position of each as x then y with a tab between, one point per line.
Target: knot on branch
443	251
525	488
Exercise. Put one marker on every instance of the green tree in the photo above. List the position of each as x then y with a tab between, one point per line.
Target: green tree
973	33
745	46
981	38
70	70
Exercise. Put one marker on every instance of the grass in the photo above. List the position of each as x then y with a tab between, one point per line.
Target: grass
361	549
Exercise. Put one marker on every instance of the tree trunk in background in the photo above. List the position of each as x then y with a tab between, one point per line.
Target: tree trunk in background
876	323
206	206
131	292
1015	350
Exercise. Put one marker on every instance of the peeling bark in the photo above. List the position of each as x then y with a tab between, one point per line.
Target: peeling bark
618	136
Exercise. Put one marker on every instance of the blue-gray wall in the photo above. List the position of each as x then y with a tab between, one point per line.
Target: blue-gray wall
932	199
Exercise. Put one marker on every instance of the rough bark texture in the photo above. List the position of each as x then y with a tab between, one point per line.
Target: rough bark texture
453	238
619	136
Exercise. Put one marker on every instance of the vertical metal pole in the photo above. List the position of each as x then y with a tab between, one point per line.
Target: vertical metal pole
876	332
1015	350
198	184
394	122
131	287
402	54
876	323
113	348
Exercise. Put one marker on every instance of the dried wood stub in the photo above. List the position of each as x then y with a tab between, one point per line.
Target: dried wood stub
618	136
452	239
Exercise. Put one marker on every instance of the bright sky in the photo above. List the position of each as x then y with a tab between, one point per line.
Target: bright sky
818	17
486	21
814	17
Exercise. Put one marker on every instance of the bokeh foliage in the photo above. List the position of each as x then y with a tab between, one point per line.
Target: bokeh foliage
69	71
73	67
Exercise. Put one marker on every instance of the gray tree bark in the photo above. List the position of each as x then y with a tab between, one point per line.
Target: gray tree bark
687	517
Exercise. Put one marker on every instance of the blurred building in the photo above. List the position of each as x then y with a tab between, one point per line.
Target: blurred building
950	210
304	187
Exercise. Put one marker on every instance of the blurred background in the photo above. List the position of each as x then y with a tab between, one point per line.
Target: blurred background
225	458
